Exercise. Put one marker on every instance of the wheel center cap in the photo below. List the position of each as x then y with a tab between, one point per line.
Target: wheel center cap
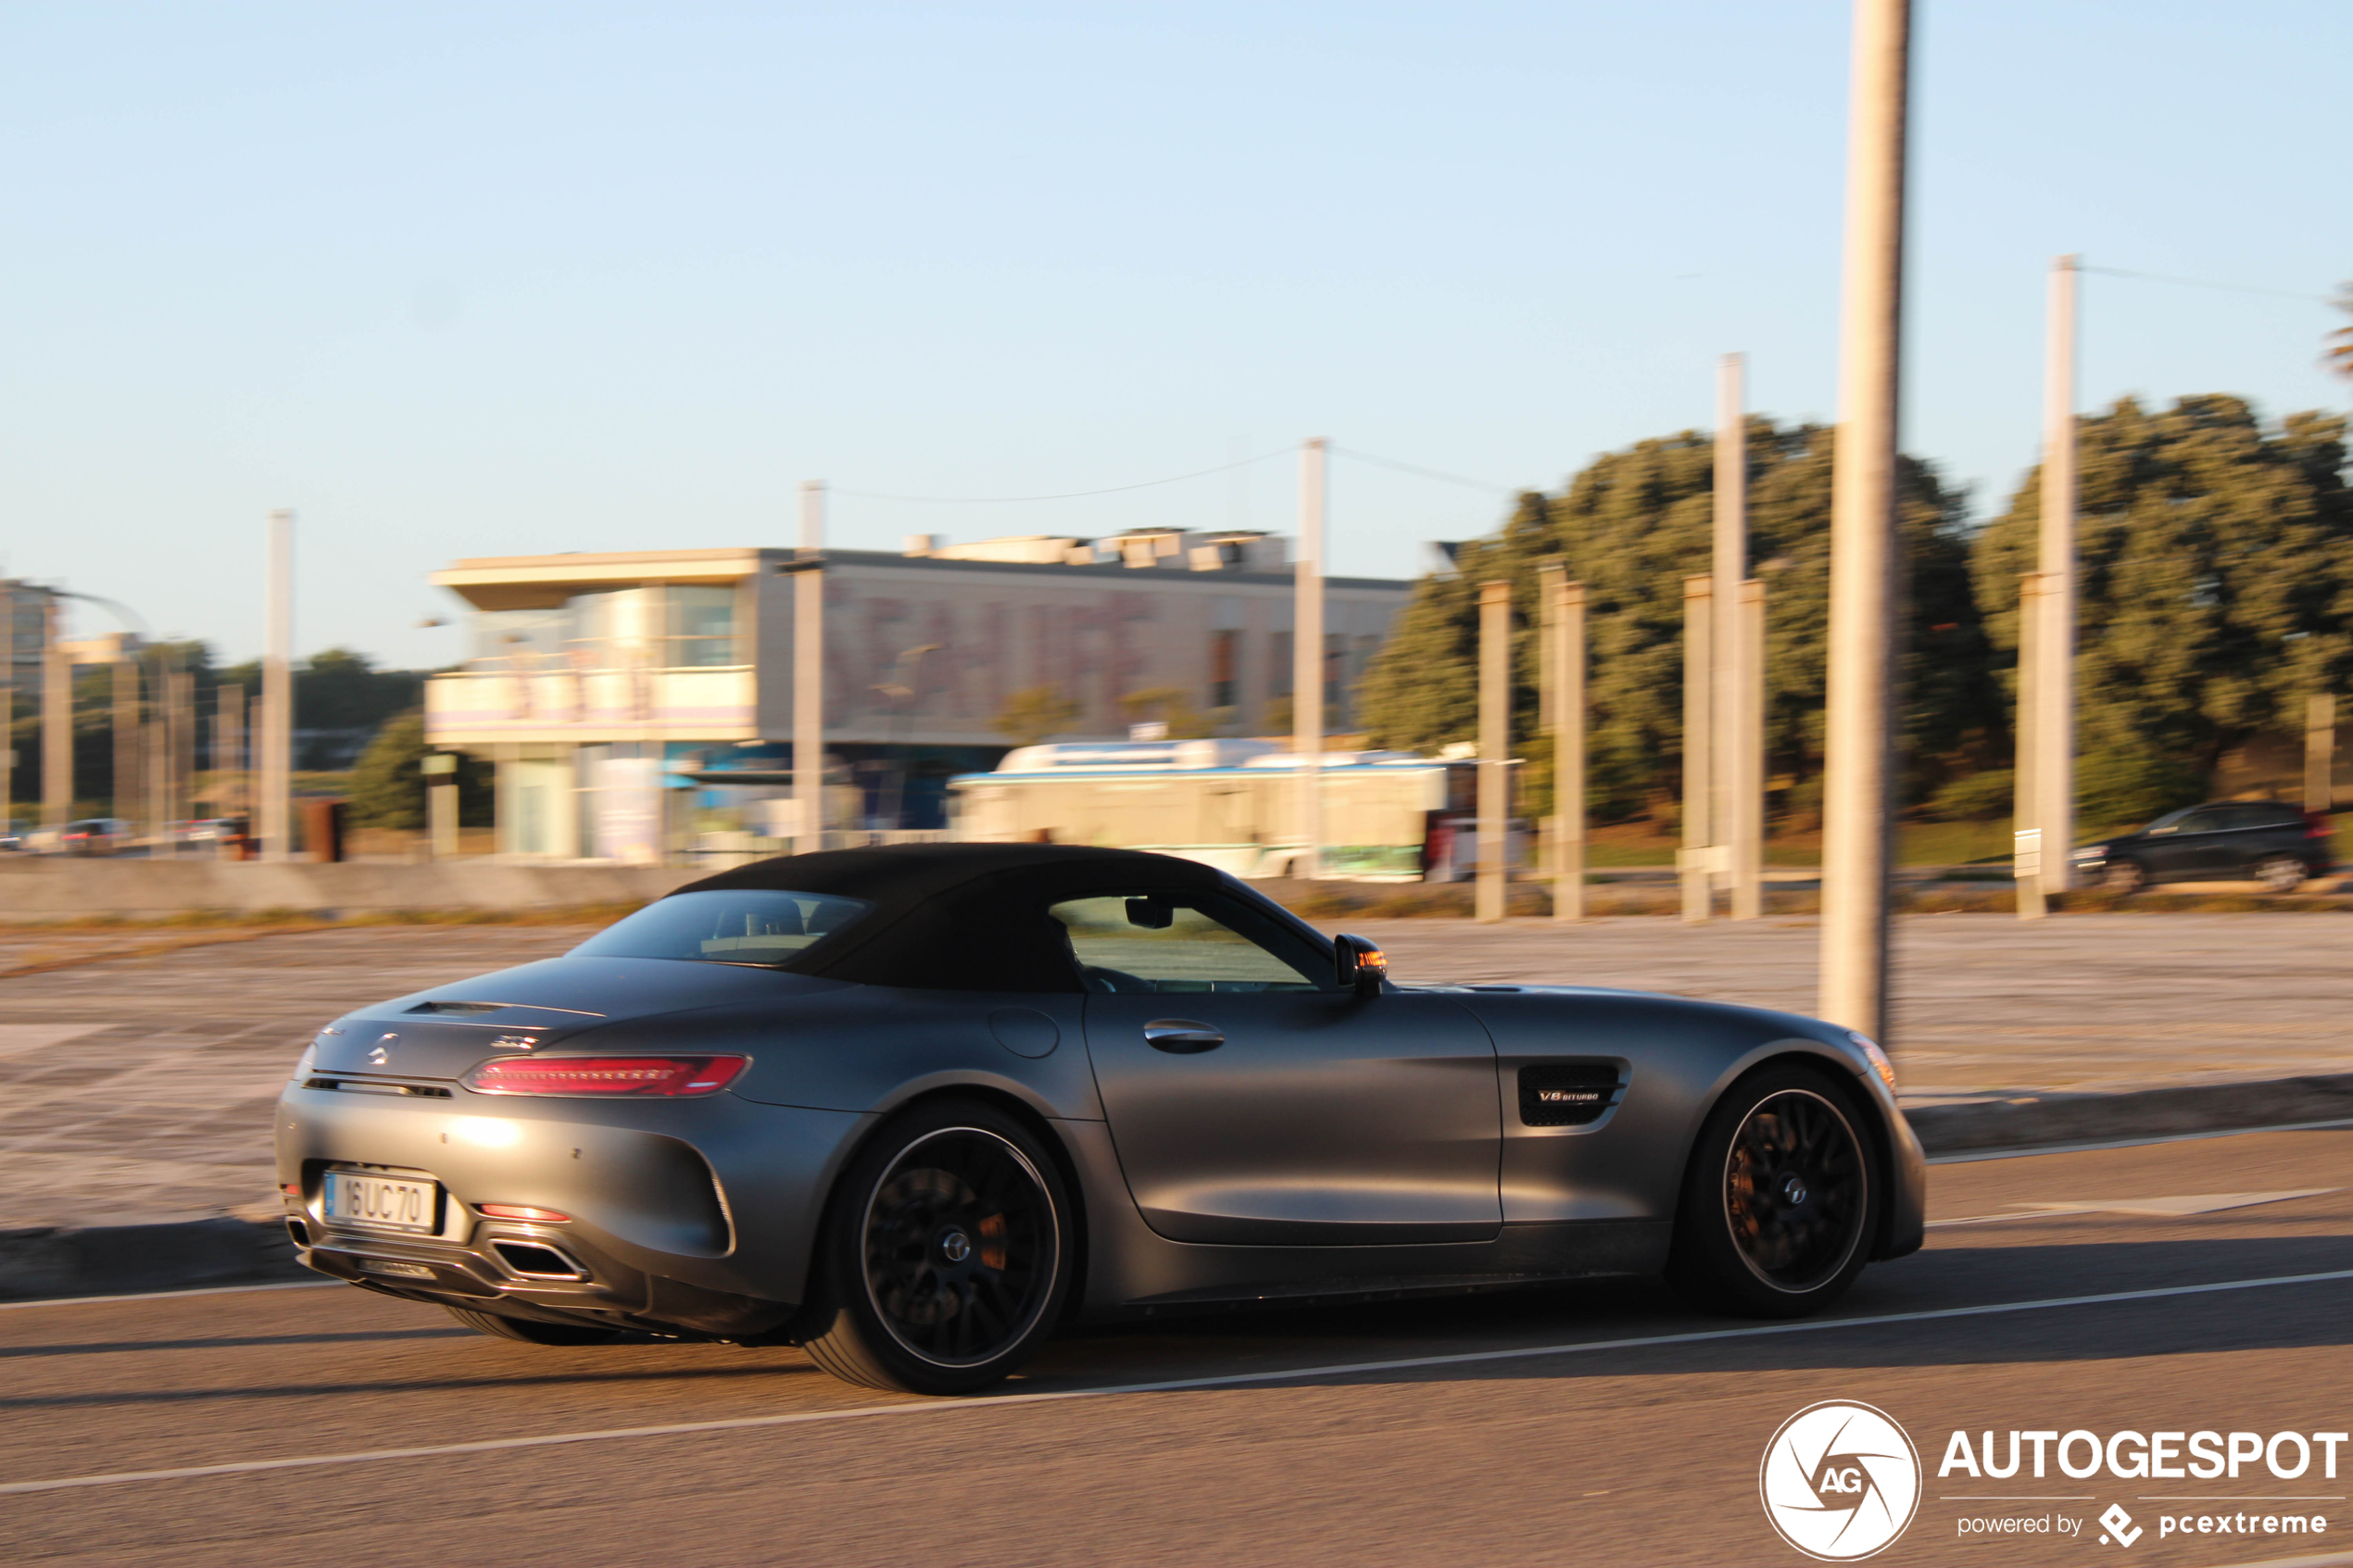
1792	1190
955	1247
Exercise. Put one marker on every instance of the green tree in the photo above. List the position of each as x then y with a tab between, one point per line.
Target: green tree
1035	714
1171	707
388	783
1631	527
2216	590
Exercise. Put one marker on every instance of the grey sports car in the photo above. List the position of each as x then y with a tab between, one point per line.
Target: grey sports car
912	1107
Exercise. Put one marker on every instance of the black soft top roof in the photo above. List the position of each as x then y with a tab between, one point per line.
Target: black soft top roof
959	917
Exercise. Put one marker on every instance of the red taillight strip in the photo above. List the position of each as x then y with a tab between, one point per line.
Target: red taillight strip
638	1075
523	1212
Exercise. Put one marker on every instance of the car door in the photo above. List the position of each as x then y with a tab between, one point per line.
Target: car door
1254	1103
2259	829
2182	848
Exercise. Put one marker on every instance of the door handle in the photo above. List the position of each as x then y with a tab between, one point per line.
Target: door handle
1182	1036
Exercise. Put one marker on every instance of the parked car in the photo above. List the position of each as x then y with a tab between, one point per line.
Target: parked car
12	835
914	1107
2265	841
93	836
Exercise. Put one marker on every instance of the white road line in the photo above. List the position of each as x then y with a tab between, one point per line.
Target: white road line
1227	1380
1971	1157
168	1295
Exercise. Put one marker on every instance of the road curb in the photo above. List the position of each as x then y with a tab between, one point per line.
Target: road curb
115	1259
120	1259
2027	1122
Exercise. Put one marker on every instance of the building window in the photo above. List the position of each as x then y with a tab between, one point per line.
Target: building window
1225	667
702	627
1279	677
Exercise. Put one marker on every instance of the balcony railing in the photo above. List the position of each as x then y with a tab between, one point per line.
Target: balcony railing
711	702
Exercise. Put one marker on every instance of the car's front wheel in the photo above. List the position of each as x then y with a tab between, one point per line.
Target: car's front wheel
945	1257
2280	873
1779	1199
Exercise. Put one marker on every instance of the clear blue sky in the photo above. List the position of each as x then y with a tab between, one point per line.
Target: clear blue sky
475	279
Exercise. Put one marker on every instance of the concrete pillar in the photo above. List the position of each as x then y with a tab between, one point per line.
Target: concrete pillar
2319	752
1729	568
2055	687
1567	683
1856	806
56	718
809	673
2026	837
1746	829
1494	744
273	759
1307	659
1698	858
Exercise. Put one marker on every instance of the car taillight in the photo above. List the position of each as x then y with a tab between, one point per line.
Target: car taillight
640	1075
2316	825
523	1211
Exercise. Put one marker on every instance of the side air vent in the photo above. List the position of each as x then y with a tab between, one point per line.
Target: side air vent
457	1010
1566	1094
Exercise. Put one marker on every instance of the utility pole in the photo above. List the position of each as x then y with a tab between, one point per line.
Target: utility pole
7	706
809	671
1746	829
2026	837
275	763
57	718
2320	753
1697	862
1856	794
1307	660
1494	744
2055	687
1565	680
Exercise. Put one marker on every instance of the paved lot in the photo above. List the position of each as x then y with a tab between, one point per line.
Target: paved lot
139	1088
1570	1446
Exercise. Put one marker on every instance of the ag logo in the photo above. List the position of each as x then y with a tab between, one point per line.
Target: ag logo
1840	1481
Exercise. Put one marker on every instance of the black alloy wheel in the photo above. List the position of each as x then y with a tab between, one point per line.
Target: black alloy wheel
2125	877
2280	873
945	1259
1779	1199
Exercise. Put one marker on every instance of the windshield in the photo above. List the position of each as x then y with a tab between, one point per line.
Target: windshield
748	926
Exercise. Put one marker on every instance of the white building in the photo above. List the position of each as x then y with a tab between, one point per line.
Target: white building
595	680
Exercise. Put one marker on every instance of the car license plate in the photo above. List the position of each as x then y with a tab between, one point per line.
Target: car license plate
381	1203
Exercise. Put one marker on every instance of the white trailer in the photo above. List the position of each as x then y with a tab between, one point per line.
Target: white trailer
1387	816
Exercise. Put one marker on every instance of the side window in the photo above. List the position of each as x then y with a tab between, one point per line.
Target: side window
2205	819
1173	943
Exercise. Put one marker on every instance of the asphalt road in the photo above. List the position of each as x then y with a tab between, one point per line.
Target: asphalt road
1603	1424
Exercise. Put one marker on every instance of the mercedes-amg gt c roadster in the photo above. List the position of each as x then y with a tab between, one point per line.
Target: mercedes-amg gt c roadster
912	1107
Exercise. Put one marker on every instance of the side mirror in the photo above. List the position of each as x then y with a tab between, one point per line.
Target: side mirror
1363	967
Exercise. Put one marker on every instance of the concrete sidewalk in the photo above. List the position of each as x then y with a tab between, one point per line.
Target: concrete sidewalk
136	1092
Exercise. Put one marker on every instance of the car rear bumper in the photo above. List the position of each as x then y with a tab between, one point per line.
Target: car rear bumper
694	1215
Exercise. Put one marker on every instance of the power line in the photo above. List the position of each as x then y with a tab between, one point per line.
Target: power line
1063	495
1431	473
2206	283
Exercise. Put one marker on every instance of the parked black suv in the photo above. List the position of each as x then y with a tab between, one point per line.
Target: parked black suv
2265	841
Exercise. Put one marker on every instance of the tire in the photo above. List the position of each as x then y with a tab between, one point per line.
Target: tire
945	1257
2124	878
1780	1201
2280	873
531	1331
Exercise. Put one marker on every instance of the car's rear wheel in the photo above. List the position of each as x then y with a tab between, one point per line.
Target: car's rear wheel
2280	873
945	1257
1779	1199
531	1331
2124	876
